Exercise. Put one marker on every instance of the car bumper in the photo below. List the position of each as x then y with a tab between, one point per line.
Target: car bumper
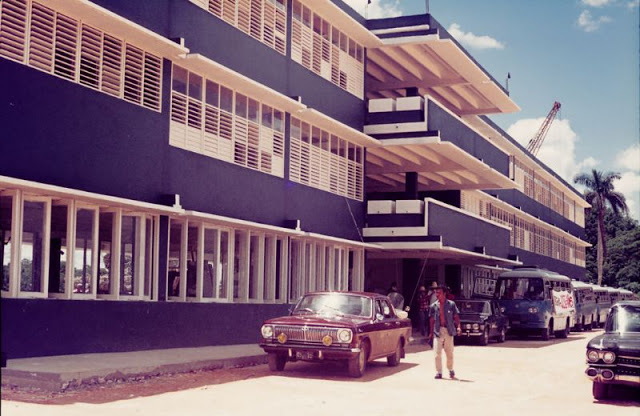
469	334
311	352
608	375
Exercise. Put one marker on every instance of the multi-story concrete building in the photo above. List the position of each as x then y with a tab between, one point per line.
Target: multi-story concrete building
172	172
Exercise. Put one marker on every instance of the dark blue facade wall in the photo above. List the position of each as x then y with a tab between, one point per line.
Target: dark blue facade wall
212	37
467	233
454	131
61	133
531	259
546	214
400	21
44	327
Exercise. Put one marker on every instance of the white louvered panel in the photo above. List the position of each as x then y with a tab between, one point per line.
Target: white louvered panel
256	19
265	162
307	46
211	130
316	52
315	166
351	179
296	41
334	176
194	123
277	166
41	37
202	3
215	7
253	147
152	91
358	80
266	139
325	63
13	24
359	182
304	163
240	140
325	170
244	16
177	134
269	23
280	31
335	64
342	177
294	159
278	144
229	11
133	70
66	37
111	65
90	50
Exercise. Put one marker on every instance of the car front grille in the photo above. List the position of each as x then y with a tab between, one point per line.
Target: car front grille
628	365
309	334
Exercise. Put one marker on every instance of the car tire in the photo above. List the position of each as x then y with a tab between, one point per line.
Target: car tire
600	390
502	337
546	332
394	359
358	364
484	339
276	361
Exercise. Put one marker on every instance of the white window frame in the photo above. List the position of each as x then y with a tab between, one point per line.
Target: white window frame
70	248
14	260
95	249
116	234
45	246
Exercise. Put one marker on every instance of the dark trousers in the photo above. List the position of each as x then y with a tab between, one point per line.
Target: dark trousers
423	321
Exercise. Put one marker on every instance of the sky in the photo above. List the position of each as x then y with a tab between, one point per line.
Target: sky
581	53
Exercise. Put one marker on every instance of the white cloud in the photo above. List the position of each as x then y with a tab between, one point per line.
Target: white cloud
629	186
587	23
629	159
633	4
558	148
377	9
474	41
597	3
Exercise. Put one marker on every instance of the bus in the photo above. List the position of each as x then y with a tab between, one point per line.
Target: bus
603	303
536	301
627	295
585	305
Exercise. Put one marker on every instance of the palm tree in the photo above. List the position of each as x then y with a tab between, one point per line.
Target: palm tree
600	193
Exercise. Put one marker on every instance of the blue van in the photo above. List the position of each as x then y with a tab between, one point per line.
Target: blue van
603	303
585	304
537	301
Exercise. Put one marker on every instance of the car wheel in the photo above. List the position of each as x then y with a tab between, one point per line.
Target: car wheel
503	335
484	339
546	332
276	361
358	364
394	359
600	390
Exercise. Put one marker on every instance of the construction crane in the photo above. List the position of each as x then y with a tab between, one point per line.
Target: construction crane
536	141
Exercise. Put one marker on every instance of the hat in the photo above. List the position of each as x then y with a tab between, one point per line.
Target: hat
434	285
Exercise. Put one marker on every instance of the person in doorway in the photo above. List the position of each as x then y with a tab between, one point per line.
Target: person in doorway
432	293
423	310
444	319
397	300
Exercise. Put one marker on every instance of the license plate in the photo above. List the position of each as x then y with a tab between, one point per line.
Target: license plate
304	355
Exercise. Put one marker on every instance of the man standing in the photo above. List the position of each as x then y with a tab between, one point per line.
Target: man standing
397	300
423	310
444	318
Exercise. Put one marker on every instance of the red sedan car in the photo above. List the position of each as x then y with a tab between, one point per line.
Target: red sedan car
356	327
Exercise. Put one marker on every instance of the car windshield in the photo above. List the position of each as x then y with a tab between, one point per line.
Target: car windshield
334	304
512	288
466	306
624	318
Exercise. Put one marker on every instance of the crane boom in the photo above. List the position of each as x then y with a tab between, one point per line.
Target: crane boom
536	141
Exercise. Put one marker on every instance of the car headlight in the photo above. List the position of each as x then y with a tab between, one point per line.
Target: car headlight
475	326
345	335
267	331
593	356
533	310
502	309
608	357
467	326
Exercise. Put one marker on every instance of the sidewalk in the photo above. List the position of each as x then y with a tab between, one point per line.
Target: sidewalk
60	372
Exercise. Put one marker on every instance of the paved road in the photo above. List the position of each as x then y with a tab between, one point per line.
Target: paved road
522	377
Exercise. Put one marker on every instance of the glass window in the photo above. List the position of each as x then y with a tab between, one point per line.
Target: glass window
210	264
278	121
226	99
58	249
267	116
173	267
254	265
104	255
129	255
83	255
240	265
241	105
179	82
6	203
192	260
222	275
254	111
149	258
195	86
213	94
280	272
32	248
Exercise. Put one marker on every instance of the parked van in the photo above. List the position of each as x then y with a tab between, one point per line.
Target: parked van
603	303
585	305
536	301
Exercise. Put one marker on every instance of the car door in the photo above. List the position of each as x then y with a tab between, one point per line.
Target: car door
377	330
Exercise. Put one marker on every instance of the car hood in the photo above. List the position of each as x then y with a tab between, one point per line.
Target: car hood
628	342
473	317
318	320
